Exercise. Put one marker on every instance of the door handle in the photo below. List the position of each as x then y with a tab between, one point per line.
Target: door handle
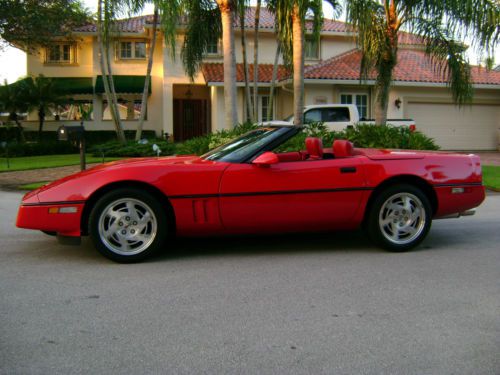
348	170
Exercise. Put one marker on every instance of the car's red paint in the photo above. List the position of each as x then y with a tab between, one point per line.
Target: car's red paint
266	159
216	198
38	217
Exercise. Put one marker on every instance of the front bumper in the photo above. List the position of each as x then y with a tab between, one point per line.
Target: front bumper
48	217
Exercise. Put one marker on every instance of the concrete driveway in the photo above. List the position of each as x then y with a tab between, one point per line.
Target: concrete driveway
329	304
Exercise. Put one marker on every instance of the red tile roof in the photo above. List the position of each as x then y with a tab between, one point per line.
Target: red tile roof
266	21
413	66
214	72
129	25
136	25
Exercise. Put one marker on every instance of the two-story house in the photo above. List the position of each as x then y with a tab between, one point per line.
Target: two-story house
185	109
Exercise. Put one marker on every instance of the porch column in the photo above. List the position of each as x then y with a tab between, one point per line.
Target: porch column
217	103
168	108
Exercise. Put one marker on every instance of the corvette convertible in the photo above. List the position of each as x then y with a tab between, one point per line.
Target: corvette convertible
132	208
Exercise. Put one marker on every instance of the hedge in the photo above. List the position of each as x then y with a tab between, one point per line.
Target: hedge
362	135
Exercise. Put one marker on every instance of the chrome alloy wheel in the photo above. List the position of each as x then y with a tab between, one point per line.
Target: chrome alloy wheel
127	226
402	218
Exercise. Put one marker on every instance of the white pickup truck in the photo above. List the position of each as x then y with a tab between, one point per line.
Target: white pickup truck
337	117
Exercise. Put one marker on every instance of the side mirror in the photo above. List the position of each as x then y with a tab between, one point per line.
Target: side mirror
266	159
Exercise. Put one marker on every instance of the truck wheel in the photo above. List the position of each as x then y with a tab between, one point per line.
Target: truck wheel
128	225
400	218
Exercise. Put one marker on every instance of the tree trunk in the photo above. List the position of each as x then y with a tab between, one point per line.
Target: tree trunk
144	103
273	81
248	99
41	120
298	66
116	119
256	62
20	134
381	106
227	15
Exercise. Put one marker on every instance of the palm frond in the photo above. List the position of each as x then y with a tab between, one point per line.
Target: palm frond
203	25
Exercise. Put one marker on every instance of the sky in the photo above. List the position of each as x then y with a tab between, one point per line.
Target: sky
13	61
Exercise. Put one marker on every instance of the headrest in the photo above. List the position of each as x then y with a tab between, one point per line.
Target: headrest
314	148
342	148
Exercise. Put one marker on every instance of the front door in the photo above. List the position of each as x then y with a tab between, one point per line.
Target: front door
292	196
191	118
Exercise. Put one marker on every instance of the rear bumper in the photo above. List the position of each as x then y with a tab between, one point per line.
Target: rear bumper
451	203
46	216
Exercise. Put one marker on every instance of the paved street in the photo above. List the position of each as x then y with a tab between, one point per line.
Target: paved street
329	304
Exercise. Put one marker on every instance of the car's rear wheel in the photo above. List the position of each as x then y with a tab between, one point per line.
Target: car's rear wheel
400	218
128	225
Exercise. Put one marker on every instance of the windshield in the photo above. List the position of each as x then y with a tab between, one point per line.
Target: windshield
246	146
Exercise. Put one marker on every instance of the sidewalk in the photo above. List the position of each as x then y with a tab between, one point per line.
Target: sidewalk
11	180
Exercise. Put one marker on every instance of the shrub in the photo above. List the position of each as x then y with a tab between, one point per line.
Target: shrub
388	136
362	135
92	137
196	146
132	149
38	148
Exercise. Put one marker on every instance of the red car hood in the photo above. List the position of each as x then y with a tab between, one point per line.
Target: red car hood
167	160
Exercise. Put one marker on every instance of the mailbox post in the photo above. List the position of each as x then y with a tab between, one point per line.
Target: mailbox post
74	134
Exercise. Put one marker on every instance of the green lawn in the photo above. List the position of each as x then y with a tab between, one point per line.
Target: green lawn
32	186
491	176
45	161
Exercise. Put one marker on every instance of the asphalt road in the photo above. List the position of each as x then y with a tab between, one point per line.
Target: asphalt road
329	304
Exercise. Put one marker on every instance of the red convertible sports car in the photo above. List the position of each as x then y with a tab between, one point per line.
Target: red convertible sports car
131	208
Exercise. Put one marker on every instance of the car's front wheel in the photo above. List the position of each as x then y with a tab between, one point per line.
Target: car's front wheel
400	217
128	225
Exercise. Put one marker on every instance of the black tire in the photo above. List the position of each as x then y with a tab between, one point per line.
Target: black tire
49	233
399	218
136	229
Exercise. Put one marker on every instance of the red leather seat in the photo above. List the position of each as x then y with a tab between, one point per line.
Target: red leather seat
342	148
314	148
290	156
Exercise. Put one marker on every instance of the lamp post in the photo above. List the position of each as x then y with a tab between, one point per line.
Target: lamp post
74	134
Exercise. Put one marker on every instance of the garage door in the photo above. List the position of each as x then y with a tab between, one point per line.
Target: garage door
468	128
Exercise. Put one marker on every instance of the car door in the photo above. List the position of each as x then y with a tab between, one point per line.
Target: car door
292	196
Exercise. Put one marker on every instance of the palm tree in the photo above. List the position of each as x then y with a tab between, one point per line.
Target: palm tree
13	101
438	23
104	21
242	6
227	10
273	80
256	61
166	13
290	18
41	94
206	20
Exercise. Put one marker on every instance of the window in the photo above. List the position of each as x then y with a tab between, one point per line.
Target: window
132	50
213	46
80	110
263	103
61	53
336	114
361	101
311	50
313	115
129	109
